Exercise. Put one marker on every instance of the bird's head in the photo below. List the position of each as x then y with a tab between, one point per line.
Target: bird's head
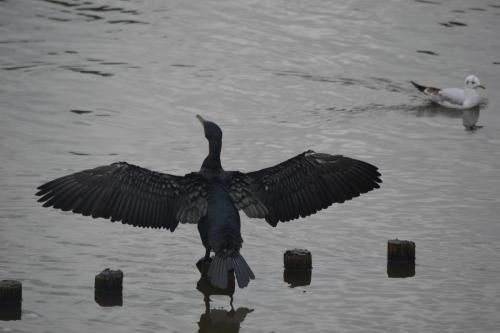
472	82
212	130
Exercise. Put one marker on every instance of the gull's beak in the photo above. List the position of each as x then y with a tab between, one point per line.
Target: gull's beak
200	118
481	86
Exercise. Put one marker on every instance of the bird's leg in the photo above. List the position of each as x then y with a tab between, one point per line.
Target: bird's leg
206	299
207	254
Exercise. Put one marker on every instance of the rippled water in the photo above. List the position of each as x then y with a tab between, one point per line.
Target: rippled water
86	83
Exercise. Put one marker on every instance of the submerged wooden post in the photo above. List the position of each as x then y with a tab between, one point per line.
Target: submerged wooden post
400	258
298	266
108	288
11	295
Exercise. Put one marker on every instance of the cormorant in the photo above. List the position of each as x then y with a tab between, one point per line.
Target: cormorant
455	98
212	197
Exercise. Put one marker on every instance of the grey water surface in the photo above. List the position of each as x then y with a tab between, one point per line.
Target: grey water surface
85	83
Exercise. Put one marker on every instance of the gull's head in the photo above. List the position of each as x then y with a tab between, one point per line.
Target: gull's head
212	130
472	82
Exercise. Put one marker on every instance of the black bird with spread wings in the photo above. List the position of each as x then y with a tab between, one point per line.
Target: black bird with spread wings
212	197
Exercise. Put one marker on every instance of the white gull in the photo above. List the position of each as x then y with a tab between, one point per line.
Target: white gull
456	98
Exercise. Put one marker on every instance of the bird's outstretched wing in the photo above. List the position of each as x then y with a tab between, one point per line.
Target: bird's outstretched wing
301	186
131	194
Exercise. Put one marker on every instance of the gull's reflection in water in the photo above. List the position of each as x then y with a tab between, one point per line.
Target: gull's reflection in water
218	320
469	117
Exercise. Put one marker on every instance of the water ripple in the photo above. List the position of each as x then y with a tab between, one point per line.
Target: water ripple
87	83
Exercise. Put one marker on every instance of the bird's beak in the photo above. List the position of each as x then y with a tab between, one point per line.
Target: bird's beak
481	86
200	118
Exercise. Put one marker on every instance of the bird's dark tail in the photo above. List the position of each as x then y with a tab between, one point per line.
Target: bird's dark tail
418	86
223	263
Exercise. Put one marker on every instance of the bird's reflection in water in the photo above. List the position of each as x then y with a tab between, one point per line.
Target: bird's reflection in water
218	320
222	321
469	117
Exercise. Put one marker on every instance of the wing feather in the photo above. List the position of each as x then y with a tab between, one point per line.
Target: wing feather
130	194
301	186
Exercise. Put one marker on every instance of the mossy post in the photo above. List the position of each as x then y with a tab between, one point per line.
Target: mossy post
108	288
400	258
11	295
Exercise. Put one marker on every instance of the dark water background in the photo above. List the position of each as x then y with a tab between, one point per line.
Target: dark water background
86	83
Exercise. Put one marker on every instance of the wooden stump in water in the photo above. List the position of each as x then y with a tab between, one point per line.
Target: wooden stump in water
108	288
109	281
11	295
400	251
11	292
298	266
297	260
400	258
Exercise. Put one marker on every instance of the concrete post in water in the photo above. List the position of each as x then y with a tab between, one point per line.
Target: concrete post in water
400	258
298	266
10	300
108	288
